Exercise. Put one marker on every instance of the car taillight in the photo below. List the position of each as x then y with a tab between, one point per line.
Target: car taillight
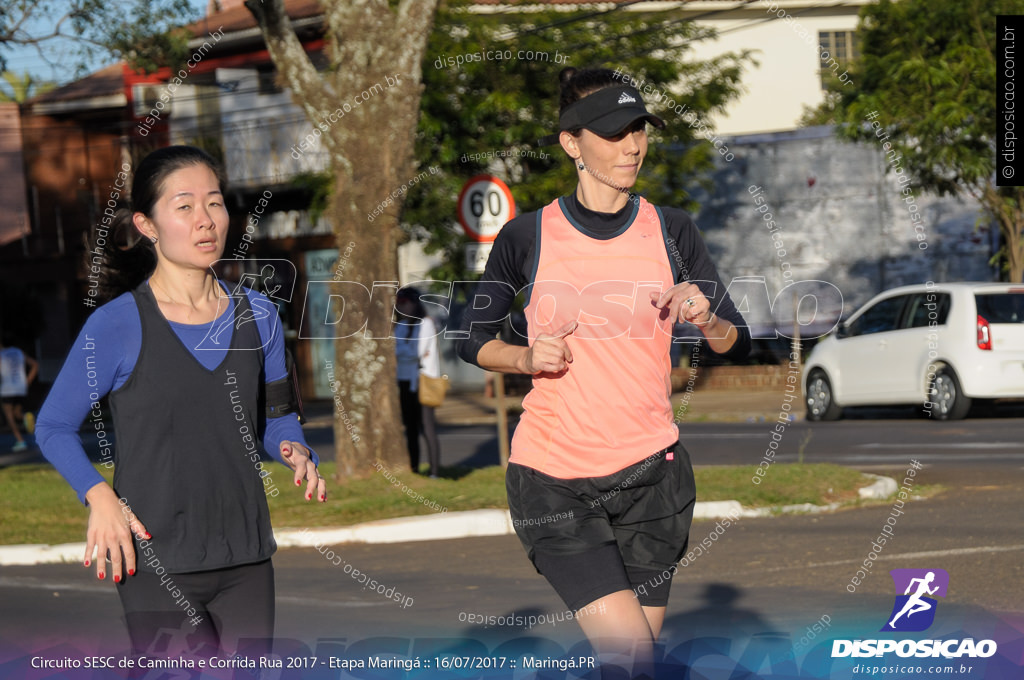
984	338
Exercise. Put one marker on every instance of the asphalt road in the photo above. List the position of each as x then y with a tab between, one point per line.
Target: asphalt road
892	441
763	579
982	441
762	582
867	437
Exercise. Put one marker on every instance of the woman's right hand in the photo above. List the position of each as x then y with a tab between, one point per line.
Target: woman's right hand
111	524
549	352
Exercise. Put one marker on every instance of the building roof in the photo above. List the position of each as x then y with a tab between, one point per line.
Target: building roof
234	16
102	89
106	88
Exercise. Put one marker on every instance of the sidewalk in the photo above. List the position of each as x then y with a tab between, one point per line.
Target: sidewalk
472	408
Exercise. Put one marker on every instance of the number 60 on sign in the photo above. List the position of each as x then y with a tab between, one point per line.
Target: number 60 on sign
485	205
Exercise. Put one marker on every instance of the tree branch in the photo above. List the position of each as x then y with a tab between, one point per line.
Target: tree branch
307	87
11	36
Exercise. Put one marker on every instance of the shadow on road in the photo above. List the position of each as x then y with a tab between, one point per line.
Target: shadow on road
981	409
720	615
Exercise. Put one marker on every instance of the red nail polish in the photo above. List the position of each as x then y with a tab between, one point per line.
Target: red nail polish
321	496
149	535
308	495
87	563
100	575
298	482
117	578
131	572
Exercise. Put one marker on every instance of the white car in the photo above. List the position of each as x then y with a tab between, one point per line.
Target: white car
939	346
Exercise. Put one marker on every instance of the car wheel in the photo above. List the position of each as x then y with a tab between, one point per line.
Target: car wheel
821	404
948	400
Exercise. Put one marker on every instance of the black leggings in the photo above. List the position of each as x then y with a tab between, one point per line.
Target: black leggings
201	613
412	415
418	418
429	423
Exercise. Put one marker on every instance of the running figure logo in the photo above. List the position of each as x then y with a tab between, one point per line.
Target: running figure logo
914	610
261	284
275	279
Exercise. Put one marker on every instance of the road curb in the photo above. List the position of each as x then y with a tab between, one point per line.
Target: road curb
799	508
40	553
717	509
882	487
439	526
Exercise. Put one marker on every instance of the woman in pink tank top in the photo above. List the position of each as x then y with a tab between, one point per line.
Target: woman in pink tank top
600	489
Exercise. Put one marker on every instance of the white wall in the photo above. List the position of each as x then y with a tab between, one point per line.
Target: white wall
259	131
837	217
787	78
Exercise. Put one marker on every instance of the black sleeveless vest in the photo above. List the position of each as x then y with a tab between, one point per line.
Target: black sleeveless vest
187	447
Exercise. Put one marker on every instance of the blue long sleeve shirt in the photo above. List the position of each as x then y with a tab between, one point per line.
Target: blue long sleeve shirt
104	356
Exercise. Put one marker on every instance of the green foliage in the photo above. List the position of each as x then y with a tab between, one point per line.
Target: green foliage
211	144
149	52
503	106
784	484
928	68
824	113
146	33
318	185
20	89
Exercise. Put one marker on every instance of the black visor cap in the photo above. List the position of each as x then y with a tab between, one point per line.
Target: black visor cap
608	112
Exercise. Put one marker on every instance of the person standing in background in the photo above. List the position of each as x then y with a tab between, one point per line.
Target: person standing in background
417	351
14	383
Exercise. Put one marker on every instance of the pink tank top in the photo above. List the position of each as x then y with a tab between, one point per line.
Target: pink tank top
611	408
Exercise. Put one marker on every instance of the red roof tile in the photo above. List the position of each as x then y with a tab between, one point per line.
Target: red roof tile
239	18
106	81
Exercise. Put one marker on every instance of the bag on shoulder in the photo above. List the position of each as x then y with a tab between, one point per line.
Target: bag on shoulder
432	390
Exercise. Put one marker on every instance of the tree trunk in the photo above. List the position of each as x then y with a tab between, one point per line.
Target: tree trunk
366	105
1008	211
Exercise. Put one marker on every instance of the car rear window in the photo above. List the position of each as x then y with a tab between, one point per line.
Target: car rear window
1001	307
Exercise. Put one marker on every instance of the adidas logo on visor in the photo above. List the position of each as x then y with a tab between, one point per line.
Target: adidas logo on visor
624	98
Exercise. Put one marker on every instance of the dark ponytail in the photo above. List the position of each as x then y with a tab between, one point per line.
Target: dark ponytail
128	257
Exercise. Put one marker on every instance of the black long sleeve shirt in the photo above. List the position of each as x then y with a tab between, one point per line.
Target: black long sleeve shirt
510	268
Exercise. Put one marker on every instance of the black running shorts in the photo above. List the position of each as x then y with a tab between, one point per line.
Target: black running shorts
593	536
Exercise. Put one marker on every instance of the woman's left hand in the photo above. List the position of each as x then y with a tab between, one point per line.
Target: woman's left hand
297	456
686	303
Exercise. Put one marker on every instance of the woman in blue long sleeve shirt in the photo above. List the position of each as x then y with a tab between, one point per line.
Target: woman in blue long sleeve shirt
196	380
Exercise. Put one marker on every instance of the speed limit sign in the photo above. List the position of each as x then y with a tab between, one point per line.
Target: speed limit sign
485	205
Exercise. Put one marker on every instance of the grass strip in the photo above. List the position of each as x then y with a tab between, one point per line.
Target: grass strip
38	506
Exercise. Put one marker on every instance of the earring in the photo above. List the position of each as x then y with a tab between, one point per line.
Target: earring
579	164
153	239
